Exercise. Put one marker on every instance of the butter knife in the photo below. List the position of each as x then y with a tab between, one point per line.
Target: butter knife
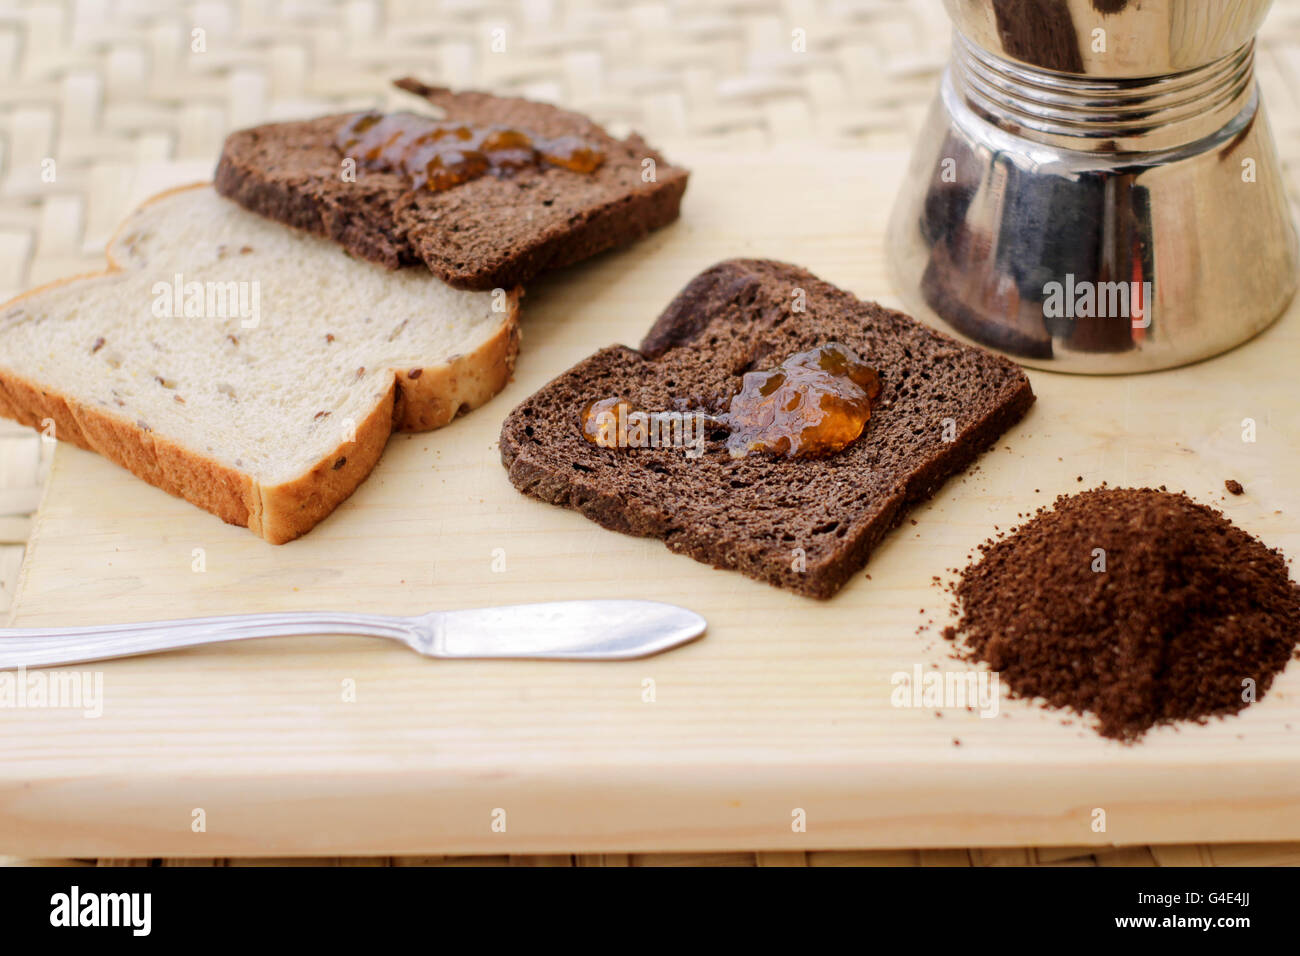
603	630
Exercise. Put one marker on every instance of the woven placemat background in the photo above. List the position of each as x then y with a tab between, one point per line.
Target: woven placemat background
91	90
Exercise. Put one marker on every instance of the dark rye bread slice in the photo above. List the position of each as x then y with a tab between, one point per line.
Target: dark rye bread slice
751	514
491	232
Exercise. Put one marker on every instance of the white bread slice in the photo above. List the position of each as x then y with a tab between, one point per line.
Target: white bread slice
269	425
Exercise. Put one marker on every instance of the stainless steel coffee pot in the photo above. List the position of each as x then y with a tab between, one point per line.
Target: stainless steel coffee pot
1096	188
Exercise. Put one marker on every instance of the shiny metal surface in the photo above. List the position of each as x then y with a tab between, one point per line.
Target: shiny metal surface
1142	37
1075	204
604	630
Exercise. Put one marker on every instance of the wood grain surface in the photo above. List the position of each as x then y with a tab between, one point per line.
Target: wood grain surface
782	711
110	91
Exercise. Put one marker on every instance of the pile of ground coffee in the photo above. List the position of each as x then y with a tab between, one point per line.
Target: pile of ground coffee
1138	606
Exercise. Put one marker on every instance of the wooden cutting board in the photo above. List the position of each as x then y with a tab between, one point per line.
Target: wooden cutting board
781	714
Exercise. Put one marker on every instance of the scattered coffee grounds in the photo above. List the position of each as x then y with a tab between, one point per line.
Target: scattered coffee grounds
1138	606
1234	486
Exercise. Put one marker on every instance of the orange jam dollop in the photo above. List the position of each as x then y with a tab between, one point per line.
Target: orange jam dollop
604	422
812	405
438	155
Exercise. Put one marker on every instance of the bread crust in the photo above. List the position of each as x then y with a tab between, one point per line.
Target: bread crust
418	399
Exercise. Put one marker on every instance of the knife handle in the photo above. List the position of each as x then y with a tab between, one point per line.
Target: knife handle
44	647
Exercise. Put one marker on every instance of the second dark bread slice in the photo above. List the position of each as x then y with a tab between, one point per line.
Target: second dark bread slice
491	232
753	514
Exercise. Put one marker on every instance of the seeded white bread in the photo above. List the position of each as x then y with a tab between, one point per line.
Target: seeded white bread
267	417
